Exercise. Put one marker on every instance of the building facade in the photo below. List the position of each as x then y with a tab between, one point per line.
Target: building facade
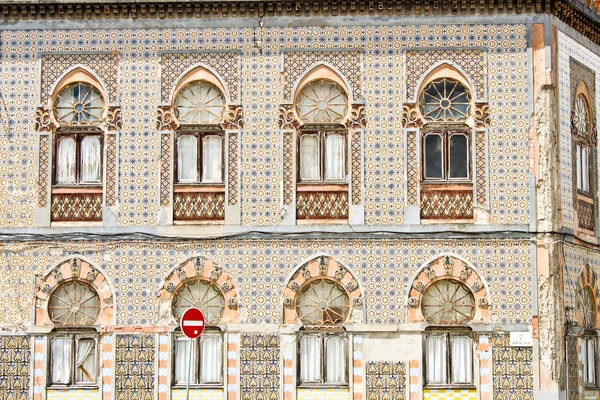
368	200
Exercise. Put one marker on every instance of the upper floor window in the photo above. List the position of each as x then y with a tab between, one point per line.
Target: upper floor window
322	105
448	304
323	354
199	107
207	351
73	354
78	109
581	126
446	105
589	349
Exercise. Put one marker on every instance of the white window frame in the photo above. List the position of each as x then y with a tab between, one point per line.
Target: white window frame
448	335
321	135
445	133
590	378
322	382
200	136
197	359
74	339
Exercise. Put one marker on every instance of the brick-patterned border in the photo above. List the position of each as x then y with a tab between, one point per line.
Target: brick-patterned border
288	167
108	366
485	368
39	381
232	168
412	168
233	370
358	370
111	169
163	366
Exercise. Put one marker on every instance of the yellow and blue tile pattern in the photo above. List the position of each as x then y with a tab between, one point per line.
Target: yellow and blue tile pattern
323	394
79	394
204	394
449	394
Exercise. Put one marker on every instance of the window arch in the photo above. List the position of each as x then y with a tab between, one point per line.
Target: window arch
322	101
323	302
448	302
79	103
74	303
445	100
202	295
587	308
200	103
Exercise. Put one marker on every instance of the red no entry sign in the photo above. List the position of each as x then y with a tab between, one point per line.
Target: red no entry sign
192	323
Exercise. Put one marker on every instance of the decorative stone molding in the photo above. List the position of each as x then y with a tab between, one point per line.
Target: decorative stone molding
587	279
73	269
166	122
321	267
357	117
287	119
197	268
410	116
482	117
43	122
113	119
234	119
448	267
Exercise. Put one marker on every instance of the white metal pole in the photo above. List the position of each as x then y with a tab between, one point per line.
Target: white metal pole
187	385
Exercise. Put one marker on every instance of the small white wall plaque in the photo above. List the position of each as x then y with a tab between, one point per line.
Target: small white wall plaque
521	339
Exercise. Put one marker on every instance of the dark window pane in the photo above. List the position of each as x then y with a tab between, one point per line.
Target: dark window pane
459	157
433	156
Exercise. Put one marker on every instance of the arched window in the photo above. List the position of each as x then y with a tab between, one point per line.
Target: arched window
73	354
78	109
200	107
446	105
449	352
587	310
584	151
207	350
323	354
322	105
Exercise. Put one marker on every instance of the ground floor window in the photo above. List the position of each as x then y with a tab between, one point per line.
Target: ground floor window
323	359
590	359
449	359
207	359
73	360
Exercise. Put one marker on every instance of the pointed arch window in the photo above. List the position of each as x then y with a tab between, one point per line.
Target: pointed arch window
323	353
199	107
322	105
584	144
448	303
207	350
73	354
587	310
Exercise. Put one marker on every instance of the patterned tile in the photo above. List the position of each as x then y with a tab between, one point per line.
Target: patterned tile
322	205
76	207
512	369
449	394
134	367
386	380
15	367
446	204
199	206
259	367
80	394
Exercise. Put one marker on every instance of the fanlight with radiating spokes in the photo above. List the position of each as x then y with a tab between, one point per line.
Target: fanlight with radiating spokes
586	306
202	295
445	100
322	102
201	103
322	302
74	303
79	103
448	302
581	116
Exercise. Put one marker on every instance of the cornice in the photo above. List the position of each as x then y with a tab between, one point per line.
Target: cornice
582	16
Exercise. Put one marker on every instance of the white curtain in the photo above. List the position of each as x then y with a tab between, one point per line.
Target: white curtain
91	159
585	170
183	347
65	160
310	359
187	159
579	167
336	359
211	359
334	157
86	360
212	156
461	359
309	158
436	359
61	360
591	362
